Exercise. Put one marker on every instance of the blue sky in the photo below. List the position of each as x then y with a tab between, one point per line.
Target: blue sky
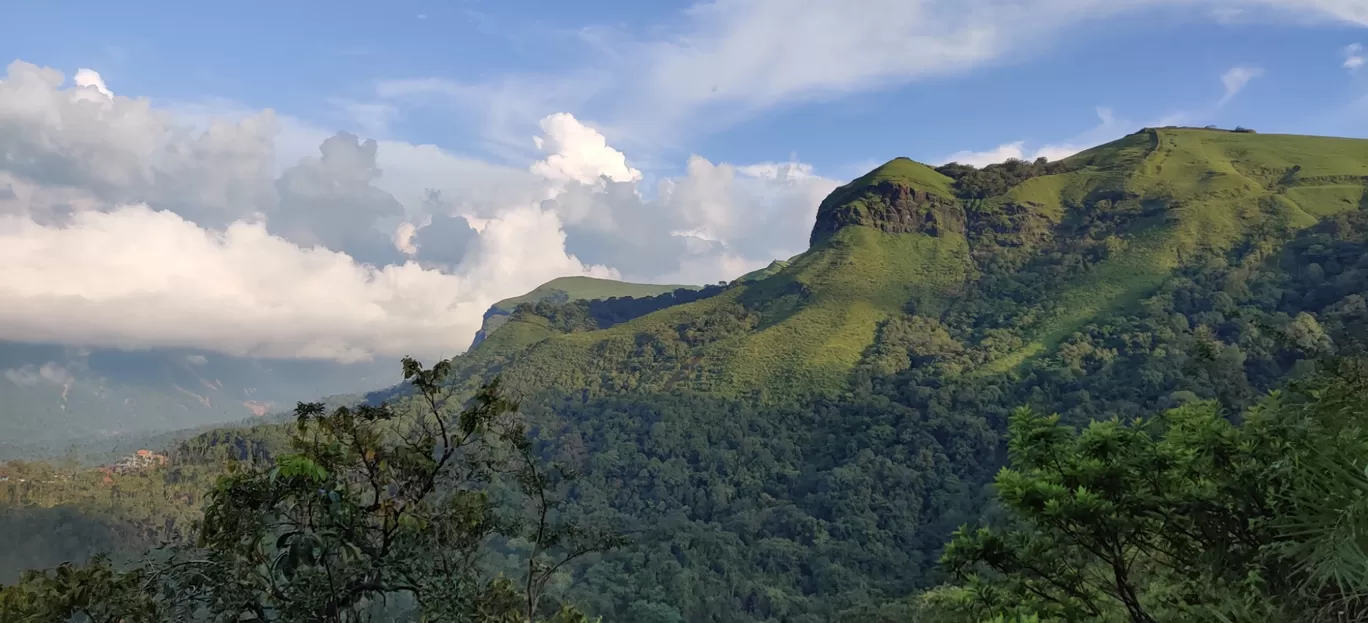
312	59
492	146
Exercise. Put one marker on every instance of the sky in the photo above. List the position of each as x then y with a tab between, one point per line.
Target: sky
353	179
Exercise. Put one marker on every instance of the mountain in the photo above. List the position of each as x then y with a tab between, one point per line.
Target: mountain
565	289
909	238
54	396
799	444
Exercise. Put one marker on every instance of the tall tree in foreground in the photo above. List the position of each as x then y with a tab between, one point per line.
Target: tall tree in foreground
378	514
1189	517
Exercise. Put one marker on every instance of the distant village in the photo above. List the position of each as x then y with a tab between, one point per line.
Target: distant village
136	462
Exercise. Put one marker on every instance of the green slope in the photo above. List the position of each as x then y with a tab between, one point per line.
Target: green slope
1208	189
772	269
801	329
587	288
564	289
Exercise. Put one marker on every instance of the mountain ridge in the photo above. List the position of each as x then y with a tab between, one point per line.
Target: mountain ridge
566	289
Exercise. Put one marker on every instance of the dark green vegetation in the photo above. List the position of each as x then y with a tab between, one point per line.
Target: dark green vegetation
1185	517
374	512
799	447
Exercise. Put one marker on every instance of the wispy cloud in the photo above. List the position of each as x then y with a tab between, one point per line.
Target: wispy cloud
1235	79
723	61
1353	56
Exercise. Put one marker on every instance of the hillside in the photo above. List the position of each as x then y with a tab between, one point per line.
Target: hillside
799	444
565	289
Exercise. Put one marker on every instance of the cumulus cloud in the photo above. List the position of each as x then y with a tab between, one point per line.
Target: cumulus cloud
1235	79
133	277
89	78
331	201
686	225
1353	56
124	226
128	226
576	152
119	149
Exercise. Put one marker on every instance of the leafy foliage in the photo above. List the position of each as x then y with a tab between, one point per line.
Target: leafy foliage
1185	517
372	511
996	179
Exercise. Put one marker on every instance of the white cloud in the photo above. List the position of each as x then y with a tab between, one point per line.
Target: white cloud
576	152
91	79
1014	150
991	156
212	227
121	149
1353	56
137	278
1106	129
1235	79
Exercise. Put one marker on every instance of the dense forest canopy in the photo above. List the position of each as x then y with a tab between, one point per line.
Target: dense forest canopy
801	446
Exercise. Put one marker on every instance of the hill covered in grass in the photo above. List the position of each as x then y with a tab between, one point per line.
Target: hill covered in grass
566	289
799	444
909	238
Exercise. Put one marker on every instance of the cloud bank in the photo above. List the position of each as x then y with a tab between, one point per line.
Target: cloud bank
130	226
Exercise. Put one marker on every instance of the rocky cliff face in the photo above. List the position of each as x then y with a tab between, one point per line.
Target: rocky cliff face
888	205
493	319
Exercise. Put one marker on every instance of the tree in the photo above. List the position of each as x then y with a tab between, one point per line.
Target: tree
1185	517
377	511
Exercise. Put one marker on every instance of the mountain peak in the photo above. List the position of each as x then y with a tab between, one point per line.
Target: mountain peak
901	196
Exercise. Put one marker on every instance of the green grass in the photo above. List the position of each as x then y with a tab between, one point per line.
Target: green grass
1217	184
798	344
514	335
764	273
899	171
588	289
573	289
859	278
1329	200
